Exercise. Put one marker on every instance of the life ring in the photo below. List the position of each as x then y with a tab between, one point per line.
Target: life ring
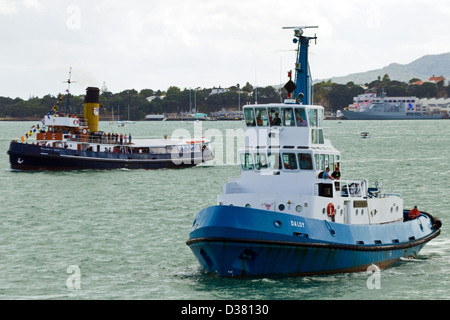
330	210
84	131
75	122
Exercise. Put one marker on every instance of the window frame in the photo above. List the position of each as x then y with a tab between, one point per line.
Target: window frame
249	122
245	165
291	156
311	162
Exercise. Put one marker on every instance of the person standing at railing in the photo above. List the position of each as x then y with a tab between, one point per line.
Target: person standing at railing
326	174
336	174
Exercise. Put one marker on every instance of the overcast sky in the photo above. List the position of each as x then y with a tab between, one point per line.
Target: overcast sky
204	43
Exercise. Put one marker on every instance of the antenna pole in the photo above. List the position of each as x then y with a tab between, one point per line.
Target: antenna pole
303	80
69	81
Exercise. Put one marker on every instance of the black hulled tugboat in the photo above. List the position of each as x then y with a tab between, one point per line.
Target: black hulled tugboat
70	142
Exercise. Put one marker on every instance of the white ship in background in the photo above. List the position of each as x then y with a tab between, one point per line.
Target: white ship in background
369	106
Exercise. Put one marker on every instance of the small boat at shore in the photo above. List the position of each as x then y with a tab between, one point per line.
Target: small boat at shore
286	216
74	143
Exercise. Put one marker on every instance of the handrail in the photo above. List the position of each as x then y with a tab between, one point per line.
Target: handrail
351	187
89	138
360	188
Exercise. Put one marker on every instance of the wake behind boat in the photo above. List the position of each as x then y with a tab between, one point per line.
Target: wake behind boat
283	216
70	143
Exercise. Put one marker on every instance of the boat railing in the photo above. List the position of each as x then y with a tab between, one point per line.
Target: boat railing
92	138
83	122
360	188
348	188
351	187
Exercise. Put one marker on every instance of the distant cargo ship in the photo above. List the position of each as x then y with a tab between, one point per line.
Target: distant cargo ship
371	107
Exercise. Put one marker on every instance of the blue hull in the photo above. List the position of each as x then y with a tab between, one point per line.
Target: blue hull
235	241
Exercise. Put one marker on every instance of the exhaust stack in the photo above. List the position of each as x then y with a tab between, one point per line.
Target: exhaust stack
92	108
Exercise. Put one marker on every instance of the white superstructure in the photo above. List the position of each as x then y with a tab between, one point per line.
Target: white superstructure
281	163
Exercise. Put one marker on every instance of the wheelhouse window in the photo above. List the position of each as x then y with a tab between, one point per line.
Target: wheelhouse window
275	117
288	116
315	117
320	118
249	117
274	161
300	117
323	162
317	136
290	161
261	161
312	117
317	160
337	160
262	119
247	161
305	161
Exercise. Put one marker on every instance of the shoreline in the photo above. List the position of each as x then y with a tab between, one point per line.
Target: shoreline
22	119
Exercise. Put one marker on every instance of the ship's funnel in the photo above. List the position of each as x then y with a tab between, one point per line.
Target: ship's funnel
92	108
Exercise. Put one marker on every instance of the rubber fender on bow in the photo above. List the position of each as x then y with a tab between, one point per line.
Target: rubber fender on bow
436	222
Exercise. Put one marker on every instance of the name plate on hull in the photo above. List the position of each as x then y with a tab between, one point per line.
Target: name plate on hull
360	204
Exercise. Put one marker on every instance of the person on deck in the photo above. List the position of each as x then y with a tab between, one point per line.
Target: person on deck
336	174
326	174
277	120
414	213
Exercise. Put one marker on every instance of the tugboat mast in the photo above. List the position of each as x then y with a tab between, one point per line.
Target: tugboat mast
69	81
303	80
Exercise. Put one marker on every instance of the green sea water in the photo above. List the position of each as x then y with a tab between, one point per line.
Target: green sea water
122	234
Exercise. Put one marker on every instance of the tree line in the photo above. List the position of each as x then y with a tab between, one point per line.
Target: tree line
133	105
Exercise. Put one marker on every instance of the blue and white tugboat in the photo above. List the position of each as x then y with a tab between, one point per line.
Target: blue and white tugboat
280	218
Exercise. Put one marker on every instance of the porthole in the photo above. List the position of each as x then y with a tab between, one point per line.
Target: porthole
299	208
356	212
248	205
281	207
